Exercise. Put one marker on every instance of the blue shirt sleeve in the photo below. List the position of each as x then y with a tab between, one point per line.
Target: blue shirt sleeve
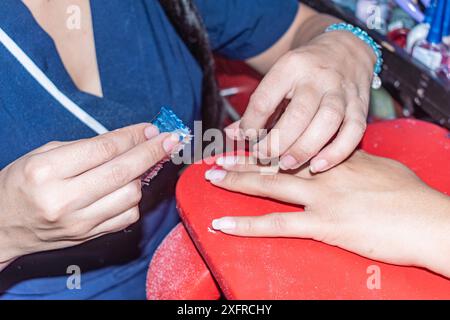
241	29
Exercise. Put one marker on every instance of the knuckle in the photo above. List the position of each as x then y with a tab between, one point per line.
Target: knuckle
358	125
333	112
51	207
134	192
260	102
77	230
133	217
299	112
246	226
303	151
278	223
154	152
338	155
268	182
232	179
37	170
119	175
106	148
132	135
50	211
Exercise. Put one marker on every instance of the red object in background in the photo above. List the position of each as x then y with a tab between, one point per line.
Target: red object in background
399	36
236	74
262	268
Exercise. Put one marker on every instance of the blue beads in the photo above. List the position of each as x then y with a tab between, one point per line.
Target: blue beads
364	36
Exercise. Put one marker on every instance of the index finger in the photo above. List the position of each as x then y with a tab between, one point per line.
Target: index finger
110	176
283	187
80	156
275	86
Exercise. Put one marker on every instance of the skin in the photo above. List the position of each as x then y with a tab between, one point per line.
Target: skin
51	206
326	79
374	207
92	177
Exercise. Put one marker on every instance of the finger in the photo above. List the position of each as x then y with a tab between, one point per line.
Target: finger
275	86
299	224
346	141
112	204
82	155
249	164
283	187
118	223
322	128
239	163
233	131
292	124
120	171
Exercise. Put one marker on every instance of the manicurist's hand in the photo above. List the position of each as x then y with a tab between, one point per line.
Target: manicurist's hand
326	80
66	193
372	206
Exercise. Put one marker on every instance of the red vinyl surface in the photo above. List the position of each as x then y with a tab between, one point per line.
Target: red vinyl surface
178	272
262	268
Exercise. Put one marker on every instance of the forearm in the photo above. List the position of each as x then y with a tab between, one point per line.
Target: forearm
312	27
309	26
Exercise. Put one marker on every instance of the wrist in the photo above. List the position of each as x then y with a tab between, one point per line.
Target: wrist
433	244
358	46
370	43
351	49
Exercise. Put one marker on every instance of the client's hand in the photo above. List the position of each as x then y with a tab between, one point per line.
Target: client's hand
372	206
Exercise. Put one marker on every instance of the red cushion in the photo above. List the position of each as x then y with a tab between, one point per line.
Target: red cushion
261	268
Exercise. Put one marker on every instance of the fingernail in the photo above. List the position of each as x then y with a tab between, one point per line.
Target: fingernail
227	161
288	162
151	131
215	175
171	142
318	166
224	224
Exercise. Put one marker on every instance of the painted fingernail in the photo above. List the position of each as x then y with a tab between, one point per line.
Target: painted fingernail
224	224
171	142
288	162
215	175
151	131
318	166
227	161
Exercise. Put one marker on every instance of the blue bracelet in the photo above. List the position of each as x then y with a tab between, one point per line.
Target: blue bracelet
364	36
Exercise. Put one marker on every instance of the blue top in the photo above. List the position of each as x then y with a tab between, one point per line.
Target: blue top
143	65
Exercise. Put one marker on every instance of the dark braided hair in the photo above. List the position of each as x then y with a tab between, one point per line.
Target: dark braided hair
189	25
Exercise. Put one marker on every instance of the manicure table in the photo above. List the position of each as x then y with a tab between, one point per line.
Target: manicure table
196	262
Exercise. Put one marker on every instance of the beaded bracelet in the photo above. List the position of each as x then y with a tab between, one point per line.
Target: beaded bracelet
364	36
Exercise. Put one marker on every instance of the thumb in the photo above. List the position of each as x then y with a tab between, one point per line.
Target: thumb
295	224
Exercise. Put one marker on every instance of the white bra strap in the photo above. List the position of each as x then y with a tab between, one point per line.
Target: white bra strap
48	85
